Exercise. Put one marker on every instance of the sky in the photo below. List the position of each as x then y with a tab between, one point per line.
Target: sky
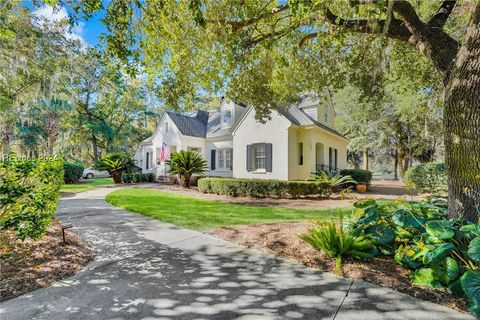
87	31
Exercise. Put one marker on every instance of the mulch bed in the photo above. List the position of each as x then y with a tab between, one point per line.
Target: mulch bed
282	240
34	264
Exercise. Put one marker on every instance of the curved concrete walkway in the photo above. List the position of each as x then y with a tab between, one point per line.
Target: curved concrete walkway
146	269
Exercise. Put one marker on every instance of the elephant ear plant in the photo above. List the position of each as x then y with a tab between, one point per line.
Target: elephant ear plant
441	253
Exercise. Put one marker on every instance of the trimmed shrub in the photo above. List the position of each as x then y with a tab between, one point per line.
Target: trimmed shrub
358	175
428	177
260	188
136	177
29	193
73	171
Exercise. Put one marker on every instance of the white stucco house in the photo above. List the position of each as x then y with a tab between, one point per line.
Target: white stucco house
296	141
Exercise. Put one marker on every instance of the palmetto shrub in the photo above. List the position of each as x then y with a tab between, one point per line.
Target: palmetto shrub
331	183
115	164
186	163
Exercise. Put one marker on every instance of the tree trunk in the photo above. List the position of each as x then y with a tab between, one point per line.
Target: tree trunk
462	126
6	137
365	160
95	148
186	181
51	142
395	166
117	176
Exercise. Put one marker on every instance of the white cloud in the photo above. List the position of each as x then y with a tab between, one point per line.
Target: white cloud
57	14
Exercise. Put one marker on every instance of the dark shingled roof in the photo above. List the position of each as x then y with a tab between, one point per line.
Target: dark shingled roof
194	125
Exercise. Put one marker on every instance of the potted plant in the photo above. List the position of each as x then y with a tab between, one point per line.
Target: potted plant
362	187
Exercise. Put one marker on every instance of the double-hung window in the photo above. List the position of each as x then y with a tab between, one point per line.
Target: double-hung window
259	154
224	159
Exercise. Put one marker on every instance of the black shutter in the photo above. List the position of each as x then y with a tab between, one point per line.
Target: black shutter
330	160
268	157
249	158
231	159
336	159
213	154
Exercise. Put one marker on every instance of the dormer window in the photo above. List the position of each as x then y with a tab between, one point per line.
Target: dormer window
325	114
226	117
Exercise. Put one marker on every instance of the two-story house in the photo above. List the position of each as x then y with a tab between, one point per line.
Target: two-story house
295	142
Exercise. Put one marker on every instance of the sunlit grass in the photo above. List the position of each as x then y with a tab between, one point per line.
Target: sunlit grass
87	185
204	214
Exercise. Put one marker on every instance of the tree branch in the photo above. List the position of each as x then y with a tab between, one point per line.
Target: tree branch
237	25
439	19
410	17
396	28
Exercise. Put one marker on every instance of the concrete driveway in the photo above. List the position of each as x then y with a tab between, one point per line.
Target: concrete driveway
146	269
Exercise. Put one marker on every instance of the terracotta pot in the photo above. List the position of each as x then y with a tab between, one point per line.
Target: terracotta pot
362	187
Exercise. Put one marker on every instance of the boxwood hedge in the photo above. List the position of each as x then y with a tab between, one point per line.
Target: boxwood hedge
261	188
136	177
358	175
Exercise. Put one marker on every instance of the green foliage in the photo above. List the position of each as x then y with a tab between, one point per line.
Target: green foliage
72	171
359	175
136	177
29	192
336	241
419	236
428	177
322	177
470	282
186	163
263	188
115	164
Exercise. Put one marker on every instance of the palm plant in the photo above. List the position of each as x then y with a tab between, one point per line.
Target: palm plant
185	164
115	164
333	240
322	177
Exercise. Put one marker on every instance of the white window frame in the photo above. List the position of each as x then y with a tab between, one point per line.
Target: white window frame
195	149
226	121
255	165
224	159
326	114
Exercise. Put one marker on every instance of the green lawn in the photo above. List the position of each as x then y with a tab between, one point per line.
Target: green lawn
202	214
87	185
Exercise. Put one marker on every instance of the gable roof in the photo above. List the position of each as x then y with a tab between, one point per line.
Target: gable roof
300	118
194	124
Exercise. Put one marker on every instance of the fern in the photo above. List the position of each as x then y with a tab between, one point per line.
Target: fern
335	241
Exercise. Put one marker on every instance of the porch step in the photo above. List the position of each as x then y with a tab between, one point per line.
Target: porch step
164	179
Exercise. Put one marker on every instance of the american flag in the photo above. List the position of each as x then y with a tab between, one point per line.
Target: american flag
164	153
